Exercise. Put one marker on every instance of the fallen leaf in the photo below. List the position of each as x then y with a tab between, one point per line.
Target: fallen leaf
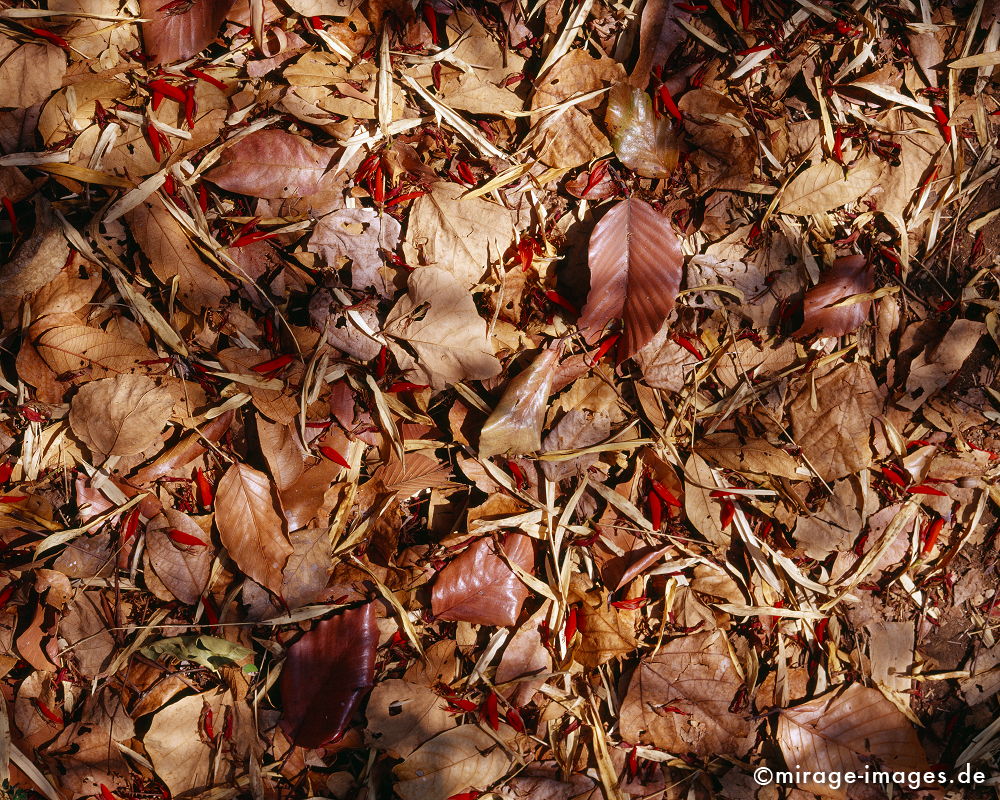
824	186
842	731
635	274
643	141
249	525
174	33
832	418
438	320
355	237
120	416
678	700
327	673
29	72
403	715
515	426
450	763
480	587
272	163
183	569
848	276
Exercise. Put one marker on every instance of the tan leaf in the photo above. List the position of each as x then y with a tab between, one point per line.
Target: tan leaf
282	451
183	569
449	339
85	628
932	369
29	72
824	187
276	404
120	416
449	764
272	163
479	587
167	246
695	676
355	237
525	660
182	759
570	137
730	451
515	426
34	263
635	273
249	525
578	429
832	417
843	731
68	346
462	236
309	566
606	632
403	715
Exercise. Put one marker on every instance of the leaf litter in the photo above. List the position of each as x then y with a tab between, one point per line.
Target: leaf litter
502	399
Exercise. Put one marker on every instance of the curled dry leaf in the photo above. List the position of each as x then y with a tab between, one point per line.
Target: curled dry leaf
174	33
842	731
354	237
272	164
480	587
327	673
635	273
183	569
438	321
515	426
249	525
120	416
451	763
679	699
849	275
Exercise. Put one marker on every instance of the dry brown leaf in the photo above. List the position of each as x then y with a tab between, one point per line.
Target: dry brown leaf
842	731
171	254
515	426
29	72
848	276
606	632
182	759
450	763
635	273
272	163
354	237
824	186
832	418
644	142
479	587
403	715
184	569
120	416
694	675
571	137
249	525
437	319
173	34
68	347
462	236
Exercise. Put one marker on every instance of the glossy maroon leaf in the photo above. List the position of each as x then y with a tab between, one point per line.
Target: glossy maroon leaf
327	674
635	273
848	276
178	30
480	587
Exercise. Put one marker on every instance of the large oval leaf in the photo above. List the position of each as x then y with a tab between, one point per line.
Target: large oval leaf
272	164
635	274
175	32
250	526
327	674
480	587
848	276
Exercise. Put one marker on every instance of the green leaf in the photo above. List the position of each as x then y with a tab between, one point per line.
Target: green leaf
207	651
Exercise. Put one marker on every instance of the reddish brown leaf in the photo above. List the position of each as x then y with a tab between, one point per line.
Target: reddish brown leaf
272	163
249	525
635	274
848	276
326	675
183	570
176	31
479	587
